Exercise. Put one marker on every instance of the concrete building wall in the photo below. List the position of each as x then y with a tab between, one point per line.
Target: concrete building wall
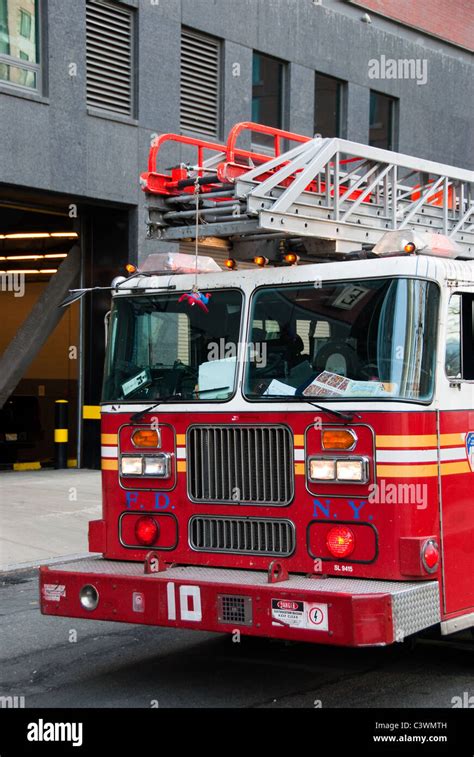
53	142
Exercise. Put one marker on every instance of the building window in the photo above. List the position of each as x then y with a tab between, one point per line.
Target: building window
25	24
110	51
327	106
200	84
19	43
382	121
267	96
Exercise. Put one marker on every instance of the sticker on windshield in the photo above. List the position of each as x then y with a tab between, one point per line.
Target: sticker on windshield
350	296
141	379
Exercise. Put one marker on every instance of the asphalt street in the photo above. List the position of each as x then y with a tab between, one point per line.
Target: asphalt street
60	662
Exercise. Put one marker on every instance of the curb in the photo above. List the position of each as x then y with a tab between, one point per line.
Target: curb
15	567
35	465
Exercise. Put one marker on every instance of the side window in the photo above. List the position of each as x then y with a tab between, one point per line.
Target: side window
460	337
453	338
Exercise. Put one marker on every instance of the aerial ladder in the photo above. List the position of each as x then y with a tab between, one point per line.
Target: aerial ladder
320	196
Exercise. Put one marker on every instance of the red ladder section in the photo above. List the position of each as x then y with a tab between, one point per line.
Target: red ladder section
218	165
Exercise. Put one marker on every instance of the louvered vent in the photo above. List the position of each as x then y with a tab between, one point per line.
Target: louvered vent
109	57
200	84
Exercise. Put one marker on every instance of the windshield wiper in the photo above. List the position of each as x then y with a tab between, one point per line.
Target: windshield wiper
346	417
137	417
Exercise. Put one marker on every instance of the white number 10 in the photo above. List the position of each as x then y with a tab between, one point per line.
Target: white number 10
189	602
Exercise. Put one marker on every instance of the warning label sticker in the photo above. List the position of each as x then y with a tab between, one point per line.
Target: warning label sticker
288	612
53	592
317	617
296	614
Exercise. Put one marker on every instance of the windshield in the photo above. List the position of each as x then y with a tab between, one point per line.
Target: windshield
162	348
368	339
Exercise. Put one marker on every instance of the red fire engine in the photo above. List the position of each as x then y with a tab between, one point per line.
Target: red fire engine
288	443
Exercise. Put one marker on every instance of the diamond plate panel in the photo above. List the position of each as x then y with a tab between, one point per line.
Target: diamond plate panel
415	609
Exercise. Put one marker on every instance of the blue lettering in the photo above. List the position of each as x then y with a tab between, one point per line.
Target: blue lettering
131	499
162	501
325	511
356	509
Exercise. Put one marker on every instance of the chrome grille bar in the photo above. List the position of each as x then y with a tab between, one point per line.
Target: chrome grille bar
256	536
241	464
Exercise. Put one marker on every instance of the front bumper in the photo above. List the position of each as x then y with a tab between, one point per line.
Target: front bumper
341	611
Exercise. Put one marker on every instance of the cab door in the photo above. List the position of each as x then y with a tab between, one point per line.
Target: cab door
456	453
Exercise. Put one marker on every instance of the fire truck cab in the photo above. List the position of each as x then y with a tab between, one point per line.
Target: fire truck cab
288	443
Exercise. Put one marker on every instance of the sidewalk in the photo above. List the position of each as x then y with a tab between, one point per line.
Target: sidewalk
45	514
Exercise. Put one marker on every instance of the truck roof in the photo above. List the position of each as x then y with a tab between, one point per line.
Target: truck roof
421	265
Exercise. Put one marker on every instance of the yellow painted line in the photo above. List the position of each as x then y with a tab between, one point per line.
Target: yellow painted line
452	440
109	439
448	469
181	466
299	469
91	412
407	471
27	466
109	464
411	440
60	435
299	440
180	440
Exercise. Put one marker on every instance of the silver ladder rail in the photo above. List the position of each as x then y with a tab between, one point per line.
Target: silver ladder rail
331	189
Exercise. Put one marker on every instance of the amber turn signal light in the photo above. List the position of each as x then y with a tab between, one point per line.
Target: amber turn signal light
338	439
291	258
410	247
231	264
261	261
130	268
146	437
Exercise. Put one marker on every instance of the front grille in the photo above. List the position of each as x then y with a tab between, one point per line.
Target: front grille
255	536
240	464
234	609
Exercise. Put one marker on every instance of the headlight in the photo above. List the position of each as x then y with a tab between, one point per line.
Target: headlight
322	470
339	470
131	466
350	470
158	465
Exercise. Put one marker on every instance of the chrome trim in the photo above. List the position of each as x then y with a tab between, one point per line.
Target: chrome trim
166	486
423	561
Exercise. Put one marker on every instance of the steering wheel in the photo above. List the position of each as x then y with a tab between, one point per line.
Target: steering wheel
347	352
